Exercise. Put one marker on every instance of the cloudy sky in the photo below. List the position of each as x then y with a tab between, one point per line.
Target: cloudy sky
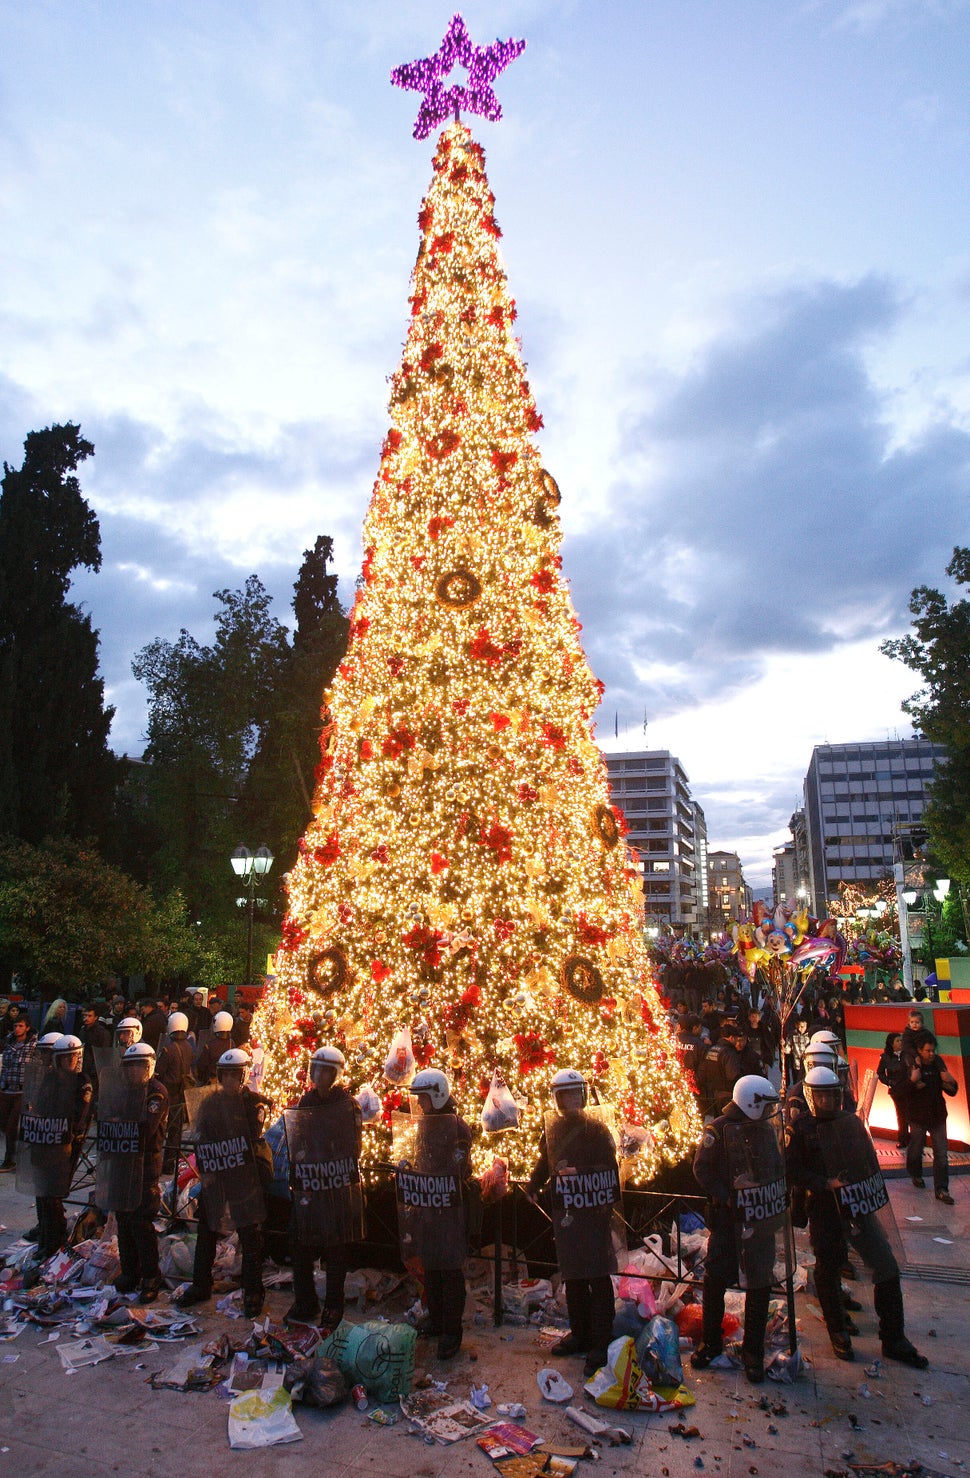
739	238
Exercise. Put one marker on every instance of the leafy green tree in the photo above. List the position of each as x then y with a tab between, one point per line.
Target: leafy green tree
69	920
57	774
938	649
232	748
275	805
208	708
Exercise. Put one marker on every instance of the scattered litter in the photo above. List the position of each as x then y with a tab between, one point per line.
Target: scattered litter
552	1386
10	1359
597	1428
512	1409
192	1371
440	1417
480	1399
944	1241
263	1418
680	1430
505	1440
82	1352
621	1384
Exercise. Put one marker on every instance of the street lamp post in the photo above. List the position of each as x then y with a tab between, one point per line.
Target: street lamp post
250	867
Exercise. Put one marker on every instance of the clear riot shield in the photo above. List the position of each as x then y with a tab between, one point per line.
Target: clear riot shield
44	1158
195	1098
759	1201
324	1173
429	1162
585	1184
224	1159
863	1201
119	1174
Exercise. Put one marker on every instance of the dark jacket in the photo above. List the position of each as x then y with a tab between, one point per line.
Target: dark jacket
597	1148
717	1072
95	1036
153	1027
174	1069
925	1101
156	1115
893	1072
712	1166
204	1069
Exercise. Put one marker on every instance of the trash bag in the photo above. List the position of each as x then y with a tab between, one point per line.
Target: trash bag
377	1356
500	1110
494	1181
317	1381
369	1104
658	1351
262	1419
621	1385
400	1064
633	1283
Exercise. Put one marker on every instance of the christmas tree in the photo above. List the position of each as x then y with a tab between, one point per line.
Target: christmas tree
465	875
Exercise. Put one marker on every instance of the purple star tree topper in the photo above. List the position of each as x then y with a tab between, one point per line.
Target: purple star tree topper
483	64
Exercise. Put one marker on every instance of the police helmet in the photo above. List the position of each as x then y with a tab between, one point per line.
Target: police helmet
177	1022
327	1059
222	1022
141	1052
753	1095
823	1093
68	1046
129	1024
434	1083
568	1077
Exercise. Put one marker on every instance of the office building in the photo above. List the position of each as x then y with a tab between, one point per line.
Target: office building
729	893
858	798
652	790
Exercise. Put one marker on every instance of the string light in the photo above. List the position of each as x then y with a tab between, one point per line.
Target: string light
465	875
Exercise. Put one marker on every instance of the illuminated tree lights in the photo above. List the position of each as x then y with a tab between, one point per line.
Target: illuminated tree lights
464	875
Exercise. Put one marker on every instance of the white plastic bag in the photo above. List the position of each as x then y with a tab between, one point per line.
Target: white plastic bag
500	1110
369	1104
399	1067
262	1418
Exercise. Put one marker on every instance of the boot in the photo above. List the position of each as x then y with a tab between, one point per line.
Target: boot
712	1340
253	1301
150	1289
569	1345
579	1309
126	1283
449	1345
300	1313
842	1346
193	1295
888	1299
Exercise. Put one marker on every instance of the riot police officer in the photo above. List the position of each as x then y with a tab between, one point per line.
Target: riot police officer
69	1094
831	1156
740	1166
230	1157
720	1068
577	1149
137	1238
436	1221
323	1137
127	1033
219	1041
174	1071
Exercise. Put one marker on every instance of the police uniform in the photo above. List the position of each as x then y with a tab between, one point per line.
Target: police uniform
590	1301
204	1067
807	1170
712	1171
174	1071
137	1238
717	1072
51	1217
250	1237
444	1288
335	1255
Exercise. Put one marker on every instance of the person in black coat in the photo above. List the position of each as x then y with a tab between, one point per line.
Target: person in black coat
445	1284
893	1072
929	1080
326	1065
137	1237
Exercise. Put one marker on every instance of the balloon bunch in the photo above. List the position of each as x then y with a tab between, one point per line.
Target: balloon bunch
788	934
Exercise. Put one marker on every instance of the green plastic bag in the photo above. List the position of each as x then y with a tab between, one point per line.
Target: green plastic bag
375	1355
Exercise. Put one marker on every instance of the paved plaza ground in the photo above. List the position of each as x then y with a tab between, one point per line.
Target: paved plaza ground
107	1419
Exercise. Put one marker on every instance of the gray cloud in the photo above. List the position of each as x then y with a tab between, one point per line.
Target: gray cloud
775	516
